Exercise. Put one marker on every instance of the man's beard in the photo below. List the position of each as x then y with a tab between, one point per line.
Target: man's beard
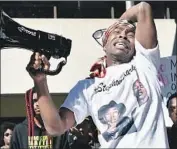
122	58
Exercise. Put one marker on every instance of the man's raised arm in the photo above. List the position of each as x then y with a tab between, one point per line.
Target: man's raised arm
145	30
55	122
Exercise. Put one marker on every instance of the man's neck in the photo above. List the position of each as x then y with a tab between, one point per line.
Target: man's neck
112	62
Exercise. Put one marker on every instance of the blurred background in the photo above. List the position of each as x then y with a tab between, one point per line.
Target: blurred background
82	9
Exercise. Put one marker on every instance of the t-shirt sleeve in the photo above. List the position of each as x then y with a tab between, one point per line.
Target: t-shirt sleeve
150	55
76	101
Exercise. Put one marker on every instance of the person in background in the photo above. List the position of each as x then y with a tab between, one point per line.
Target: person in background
172	109
21	137
6	134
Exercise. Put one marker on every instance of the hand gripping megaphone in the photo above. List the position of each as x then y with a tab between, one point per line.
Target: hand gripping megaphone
15	35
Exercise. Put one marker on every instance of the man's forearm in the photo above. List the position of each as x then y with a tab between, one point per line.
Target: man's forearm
146	32
50	115
136	12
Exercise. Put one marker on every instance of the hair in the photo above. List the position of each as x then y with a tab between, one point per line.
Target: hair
4	127
30	110
170	98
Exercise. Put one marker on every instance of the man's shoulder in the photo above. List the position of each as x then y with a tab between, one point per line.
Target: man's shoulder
84	83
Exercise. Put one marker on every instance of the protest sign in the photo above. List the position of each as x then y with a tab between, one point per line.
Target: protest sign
167	75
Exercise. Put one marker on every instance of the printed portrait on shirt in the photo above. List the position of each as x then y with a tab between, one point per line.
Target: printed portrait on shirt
112	116
140	92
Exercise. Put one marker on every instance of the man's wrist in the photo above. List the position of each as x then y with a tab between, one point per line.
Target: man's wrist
41	87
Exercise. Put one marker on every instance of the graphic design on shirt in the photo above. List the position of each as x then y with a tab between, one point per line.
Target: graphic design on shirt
102	87
117	125
39	142
140	92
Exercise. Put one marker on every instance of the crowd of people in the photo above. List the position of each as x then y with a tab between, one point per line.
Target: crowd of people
118	106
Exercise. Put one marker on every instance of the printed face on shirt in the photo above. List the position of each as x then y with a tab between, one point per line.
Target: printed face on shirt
117	124
140	92
112	116
121	43
172	108
35	104
7	136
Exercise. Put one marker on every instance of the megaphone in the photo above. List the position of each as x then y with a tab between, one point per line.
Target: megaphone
15	35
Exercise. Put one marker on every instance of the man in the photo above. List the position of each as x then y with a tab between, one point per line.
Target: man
22	138
131	54
172	109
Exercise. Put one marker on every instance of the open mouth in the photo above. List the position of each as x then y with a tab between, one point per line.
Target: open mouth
120	44
140	93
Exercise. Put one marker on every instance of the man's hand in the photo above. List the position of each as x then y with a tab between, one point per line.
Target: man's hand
146	32
38	62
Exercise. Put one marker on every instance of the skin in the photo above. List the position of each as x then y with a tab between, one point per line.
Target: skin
36	104
140	92
7	138
112	117
172	108
57	123
120	47
38	120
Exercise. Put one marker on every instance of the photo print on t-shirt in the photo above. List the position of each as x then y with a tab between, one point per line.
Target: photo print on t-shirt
117	124
140	92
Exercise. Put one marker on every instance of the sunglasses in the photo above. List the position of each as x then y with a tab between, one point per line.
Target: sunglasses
97	35
7	134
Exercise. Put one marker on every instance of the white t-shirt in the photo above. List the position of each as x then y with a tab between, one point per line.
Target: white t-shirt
125	105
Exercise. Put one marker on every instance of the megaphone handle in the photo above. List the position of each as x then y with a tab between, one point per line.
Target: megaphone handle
57	70
30	68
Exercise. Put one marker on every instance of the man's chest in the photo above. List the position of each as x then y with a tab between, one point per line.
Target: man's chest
118	96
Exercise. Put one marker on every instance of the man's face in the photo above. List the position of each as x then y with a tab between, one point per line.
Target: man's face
139	90
112	116
35	104
120	43
172	108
